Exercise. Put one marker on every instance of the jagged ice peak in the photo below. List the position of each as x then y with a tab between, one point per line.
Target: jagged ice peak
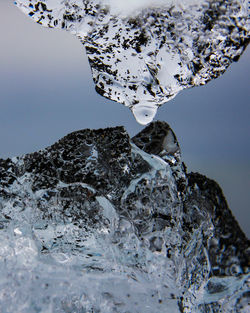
103	223
142	53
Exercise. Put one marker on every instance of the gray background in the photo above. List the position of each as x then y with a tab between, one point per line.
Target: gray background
46	91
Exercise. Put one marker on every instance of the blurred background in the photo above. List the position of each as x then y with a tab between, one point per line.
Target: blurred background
46	92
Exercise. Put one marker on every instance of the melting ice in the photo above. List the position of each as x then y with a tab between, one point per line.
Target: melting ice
101	223
142	53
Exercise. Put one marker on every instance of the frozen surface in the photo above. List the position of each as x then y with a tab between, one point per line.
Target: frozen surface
142	53
102	223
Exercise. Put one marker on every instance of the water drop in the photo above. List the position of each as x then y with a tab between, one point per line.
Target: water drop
144	113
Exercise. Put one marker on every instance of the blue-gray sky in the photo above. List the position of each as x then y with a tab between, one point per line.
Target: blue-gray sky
46	91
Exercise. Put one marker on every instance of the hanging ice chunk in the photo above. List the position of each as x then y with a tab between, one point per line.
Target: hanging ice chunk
142	53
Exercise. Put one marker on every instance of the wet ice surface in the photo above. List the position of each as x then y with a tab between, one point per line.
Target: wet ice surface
102	223
142	53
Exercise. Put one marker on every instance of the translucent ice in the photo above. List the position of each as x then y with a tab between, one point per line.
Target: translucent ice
103	223
144	113
147	51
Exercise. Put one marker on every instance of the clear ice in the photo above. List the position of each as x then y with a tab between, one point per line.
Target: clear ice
101	223
143	52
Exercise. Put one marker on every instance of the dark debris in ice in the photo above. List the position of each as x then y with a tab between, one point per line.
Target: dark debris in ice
99	222
143	57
